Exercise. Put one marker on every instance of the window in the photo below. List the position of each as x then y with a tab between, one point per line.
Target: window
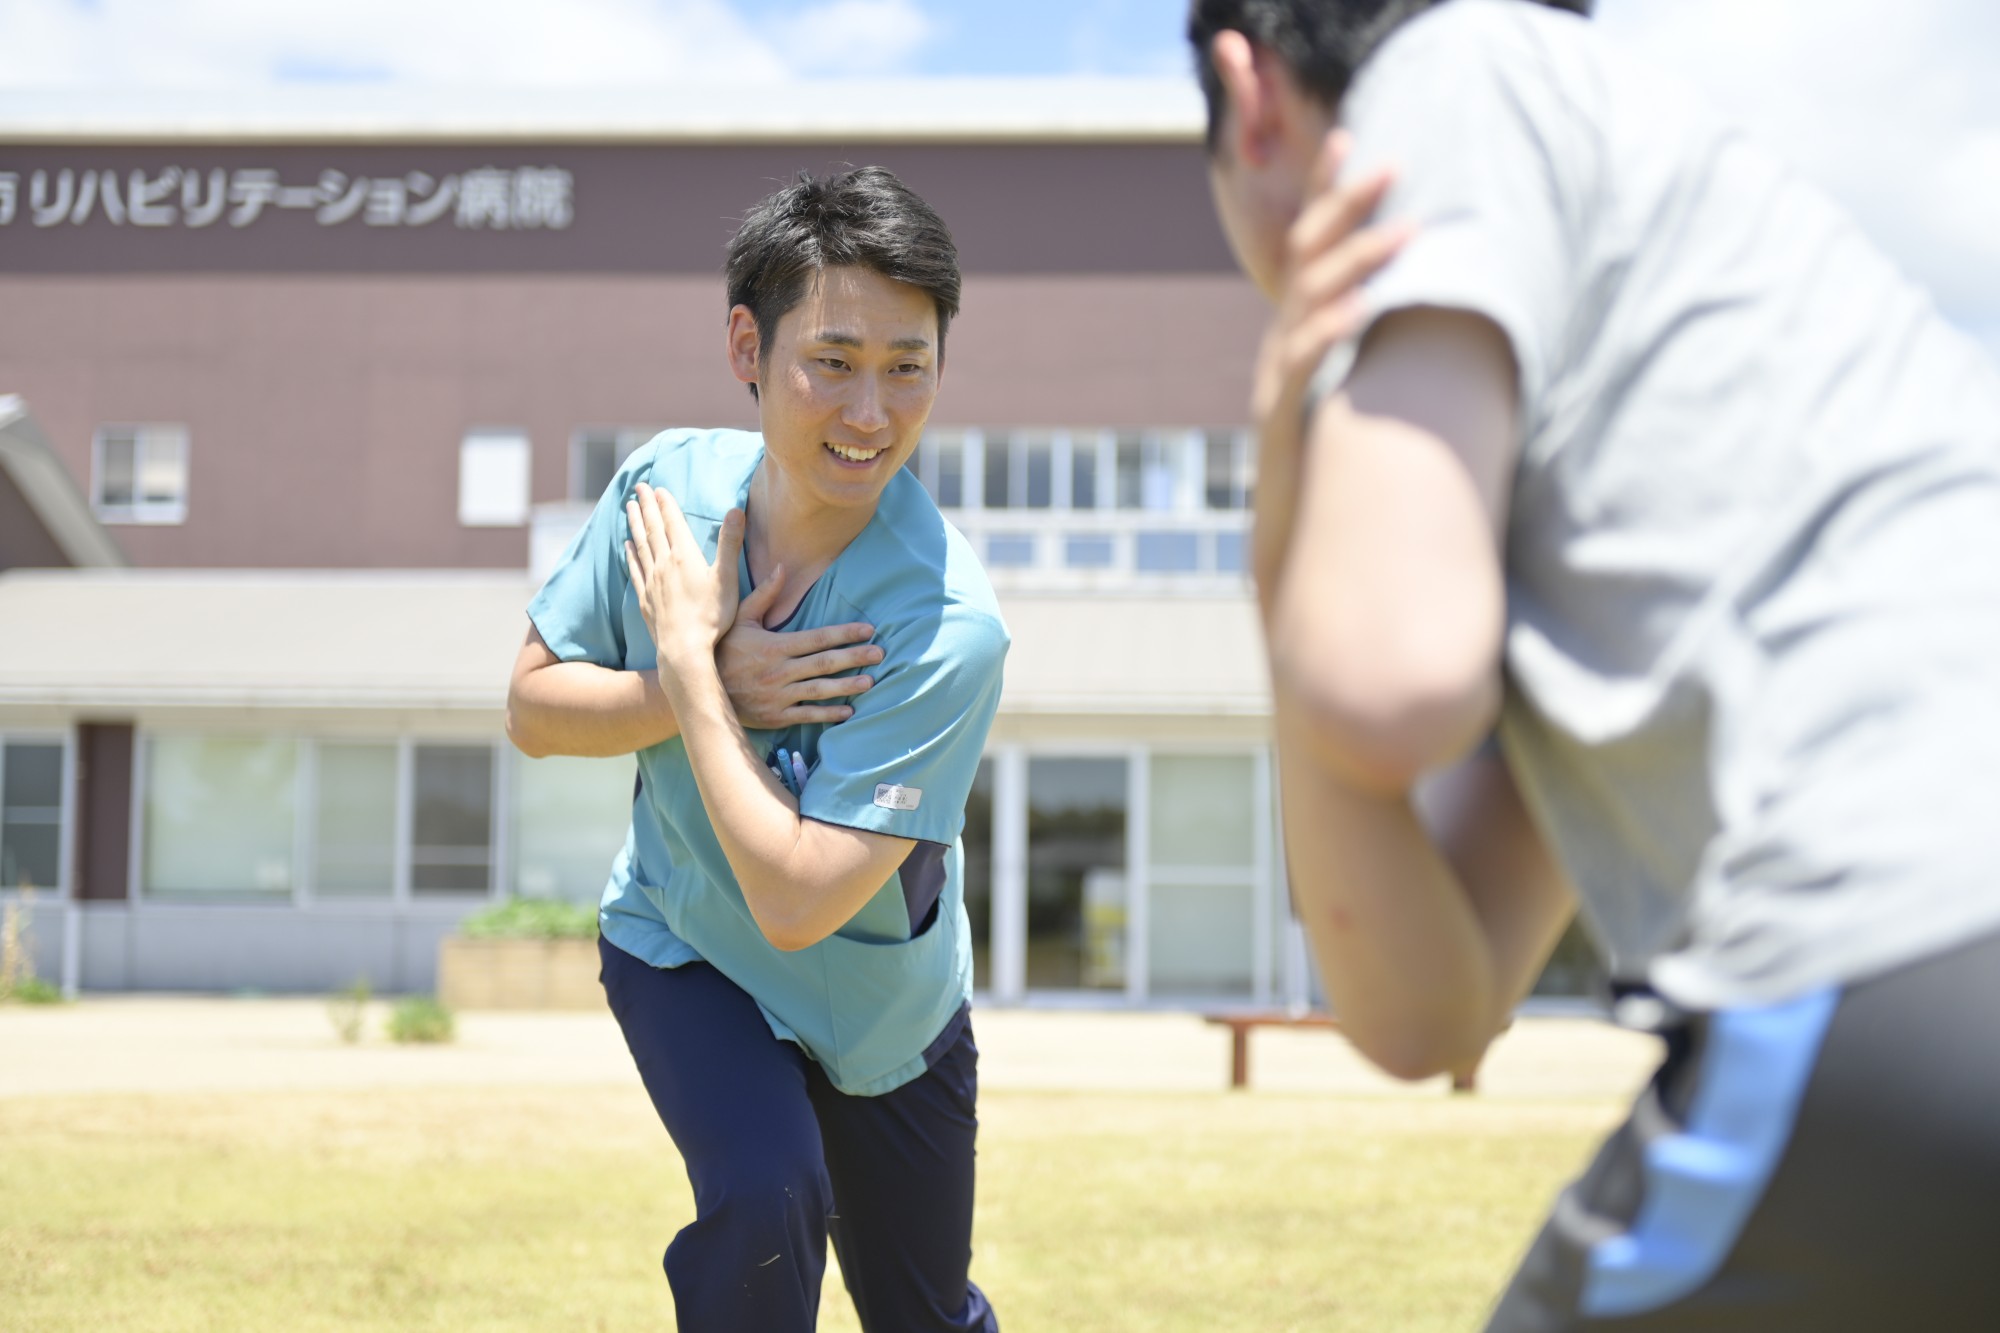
977	840
1230	553
354	847
1088	506
451	837
1020	469
139	474
997	492
1226	472
493	479
1089	551
1010	550
276	818
1037	460
570	819
1168	552
1202	881
31	808
595	456
219	816
1148	471
1085	452
939	464
1076	873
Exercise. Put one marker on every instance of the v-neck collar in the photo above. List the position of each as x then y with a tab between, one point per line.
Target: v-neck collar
743	556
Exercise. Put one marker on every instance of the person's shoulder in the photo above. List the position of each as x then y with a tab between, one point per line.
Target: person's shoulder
702	467
915	575
1467	42
1488	29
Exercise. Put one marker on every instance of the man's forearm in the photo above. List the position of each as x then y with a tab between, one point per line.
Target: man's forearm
579	708
801	880
1400	949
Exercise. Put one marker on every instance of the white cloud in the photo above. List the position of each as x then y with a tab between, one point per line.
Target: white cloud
230	44
854	36
1892	108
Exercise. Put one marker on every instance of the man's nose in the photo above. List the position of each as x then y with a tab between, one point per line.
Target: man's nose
865	410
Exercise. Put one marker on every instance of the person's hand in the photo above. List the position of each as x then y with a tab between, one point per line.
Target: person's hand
778	679
1328	255
687	602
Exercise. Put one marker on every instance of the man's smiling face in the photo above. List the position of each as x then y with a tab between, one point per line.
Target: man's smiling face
845	382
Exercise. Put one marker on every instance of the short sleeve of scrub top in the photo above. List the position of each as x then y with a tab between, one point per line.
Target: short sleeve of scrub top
580	610
1488	161
904	763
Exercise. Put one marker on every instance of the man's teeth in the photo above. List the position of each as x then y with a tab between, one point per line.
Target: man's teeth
852	454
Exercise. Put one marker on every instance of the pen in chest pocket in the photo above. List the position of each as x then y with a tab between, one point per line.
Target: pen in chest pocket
789	767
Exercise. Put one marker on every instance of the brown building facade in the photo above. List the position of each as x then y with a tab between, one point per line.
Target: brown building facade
310	332
337	397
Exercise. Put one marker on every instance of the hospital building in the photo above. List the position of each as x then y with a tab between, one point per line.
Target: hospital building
300	400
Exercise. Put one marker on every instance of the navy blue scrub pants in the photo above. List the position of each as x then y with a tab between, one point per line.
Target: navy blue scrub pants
780	1159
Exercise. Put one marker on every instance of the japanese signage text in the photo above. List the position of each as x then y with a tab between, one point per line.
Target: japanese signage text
488	198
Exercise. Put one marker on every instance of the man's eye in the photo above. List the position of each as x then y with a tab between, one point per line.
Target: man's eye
833	362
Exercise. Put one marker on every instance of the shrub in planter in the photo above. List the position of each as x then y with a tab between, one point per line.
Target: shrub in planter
532	919
528	953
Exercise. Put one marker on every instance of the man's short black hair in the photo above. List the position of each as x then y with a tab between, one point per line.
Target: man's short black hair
862	218
1322	42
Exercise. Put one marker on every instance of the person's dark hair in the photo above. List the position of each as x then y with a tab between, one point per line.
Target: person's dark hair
1322	42
863	218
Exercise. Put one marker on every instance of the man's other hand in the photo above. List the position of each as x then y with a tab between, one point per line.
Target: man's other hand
778	678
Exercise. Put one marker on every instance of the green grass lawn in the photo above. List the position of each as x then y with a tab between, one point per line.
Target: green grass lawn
532	1209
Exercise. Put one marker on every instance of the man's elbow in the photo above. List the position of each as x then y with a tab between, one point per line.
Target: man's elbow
522	733
1413	1063
791	938
786	930
1413	1053
1380	725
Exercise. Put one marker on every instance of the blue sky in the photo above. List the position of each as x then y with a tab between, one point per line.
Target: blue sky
1035	36
1894	108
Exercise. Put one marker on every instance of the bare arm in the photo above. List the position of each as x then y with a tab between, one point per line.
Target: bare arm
773	680
801	878
580	708
1384	621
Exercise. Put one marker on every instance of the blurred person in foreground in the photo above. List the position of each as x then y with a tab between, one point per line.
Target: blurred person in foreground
784	939
1638	451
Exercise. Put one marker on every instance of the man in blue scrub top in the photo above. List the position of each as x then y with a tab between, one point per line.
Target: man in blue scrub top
784	938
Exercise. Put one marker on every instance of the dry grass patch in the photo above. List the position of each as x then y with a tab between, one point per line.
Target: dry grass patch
539	1209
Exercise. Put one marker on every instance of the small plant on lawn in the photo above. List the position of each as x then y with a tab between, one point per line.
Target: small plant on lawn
348	1010
532	919
420	1018
17	956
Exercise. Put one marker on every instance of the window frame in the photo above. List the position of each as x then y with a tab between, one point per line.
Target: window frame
401	899
64	889
480	517
146	437
626	440
1275	937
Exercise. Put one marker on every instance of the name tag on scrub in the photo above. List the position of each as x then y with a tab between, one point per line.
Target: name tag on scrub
892	797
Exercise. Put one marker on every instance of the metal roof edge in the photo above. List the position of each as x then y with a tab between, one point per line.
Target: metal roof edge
30	461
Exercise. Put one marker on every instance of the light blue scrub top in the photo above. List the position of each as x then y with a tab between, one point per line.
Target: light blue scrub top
868	1001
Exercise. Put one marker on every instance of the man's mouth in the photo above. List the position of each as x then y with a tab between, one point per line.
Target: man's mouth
854	453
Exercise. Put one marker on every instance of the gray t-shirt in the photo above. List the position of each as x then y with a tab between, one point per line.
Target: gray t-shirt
1753	559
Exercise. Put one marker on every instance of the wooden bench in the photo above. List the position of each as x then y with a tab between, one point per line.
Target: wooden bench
1241	1025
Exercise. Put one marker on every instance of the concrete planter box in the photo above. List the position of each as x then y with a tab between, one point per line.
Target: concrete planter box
518	974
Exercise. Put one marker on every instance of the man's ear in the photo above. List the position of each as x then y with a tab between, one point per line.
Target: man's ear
1249	133
745	345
